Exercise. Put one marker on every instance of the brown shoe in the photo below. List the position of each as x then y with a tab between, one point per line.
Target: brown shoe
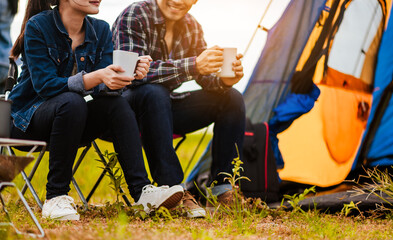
191	206
227	199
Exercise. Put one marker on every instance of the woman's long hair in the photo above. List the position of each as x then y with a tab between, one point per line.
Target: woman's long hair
33	7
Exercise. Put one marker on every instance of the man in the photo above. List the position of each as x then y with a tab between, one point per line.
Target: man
164	30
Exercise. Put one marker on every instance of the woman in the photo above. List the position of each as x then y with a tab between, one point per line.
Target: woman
67	55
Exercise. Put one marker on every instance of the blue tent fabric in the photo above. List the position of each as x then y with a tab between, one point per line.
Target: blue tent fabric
381	148
269	82
290	109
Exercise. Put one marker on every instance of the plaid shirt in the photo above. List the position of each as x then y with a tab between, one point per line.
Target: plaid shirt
141	28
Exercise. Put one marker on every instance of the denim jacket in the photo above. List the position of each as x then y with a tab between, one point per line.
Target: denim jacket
48	62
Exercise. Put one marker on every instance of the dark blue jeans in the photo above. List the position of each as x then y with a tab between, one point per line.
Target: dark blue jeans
67	122
159	117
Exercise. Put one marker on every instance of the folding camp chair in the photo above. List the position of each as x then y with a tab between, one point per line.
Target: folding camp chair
11	81
10	166
29	178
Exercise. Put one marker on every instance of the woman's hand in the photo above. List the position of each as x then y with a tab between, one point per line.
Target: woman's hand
143	66
110	76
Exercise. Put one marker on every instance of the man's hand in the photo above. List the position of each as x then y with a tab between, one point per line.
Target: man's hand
143	66
209	61
238	69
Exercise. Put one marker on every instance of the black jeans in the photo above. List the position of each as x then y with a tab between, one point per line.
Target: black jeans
67	121
159	117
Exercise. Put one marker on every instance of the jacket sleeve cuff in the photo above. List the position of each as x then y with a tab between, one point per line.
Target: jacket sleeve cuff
76	84
103	90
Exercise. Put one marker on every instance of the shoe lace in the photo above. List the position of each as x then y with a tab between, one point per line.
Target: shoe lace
65	202
151	188
188	197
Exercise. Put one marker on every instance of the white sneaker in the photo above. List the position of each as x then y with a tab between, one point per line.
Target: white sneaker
60	208
157	197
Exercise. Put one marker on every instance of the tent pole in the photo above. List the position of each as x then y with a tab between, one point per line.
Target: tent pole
258	27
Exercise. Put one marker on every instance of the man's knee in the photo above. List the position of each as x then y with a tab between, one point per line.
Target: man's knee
155	92
235	100
151	96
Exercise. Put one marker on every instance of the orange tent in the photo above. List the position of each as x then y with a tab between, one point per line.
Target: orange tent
319	147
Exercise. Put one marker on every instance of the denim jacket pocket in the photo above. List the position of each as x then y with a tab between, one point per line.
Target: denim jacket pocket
97	57
57	56
92	62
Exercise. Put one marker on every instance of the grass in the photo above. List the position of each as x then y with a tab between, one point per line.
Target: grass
104	224
255	221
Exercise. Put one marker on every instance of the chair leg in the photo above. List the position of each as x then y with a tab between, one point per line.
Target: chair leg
4	209
27	179
97	183
32	190
34	169
81	196
2	150
26	205
77	188
81	157
102	176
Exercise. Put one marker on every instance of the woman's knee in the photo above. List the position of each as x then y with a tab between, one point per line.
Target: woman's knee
71	105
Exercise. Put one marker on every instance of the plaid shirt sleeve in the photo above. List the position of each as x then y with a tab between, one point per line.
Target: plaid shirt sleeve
134	31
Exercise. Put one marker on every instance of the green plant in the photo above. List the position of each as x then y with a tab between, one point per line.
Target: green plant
348	208
244	212
238	209
114	172
233	179
236	171
162	213
295	199
137	211
381	182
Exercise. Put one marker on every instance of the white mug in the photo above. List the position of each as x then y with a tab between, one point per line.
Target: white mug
229	55
127	60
